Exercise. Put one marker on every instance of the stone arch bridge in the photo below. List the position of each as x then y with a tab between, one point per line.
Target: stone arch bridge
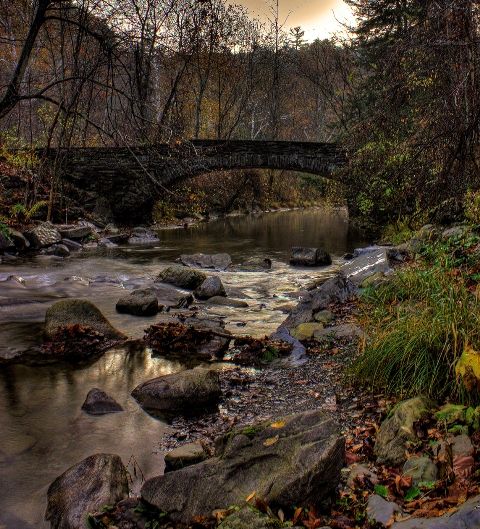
127	180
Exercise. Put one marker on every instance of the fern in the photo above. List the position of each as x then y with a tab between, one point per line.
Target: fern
21	212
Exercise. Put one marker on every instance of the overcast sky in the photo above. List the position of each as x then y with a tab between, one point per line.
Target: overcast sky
319	18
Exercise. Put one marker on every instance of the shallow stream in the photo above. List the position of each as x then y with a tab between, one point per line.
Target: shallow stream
42	428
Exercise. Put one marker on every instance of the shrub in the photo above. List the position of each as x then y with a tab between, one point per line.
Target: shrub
419	324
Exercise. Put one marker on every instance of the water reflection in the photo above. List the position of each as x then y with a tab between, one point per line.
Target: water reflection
42	428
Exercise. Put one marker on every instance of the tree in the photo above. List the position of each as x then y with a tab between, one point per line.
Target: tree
414	113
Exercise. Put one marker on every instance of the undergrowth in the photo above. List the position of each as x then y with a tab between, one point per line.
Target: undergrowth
421	321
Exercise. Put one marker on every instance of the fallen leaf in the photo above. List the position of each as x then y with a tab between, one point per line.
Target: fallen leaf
278	424
250	496
270	441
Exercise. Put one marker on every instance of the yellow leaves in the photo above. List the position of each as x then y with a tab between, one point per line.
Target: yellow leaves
270	441
278	424
468	368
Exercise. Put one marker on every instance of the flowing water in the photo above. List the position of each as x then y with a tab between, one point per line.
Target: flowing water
42	428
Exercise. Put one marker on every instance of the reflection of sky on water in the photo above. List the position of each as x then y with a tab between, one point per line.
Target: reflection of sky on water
40	413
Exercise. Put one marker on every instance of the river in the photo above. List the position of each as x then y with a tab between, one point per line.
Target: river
42	428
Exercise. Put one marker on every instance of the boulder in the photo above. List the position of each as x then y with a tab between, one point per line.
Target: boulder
292	461
381	512
366	262
309	257
420	469
139	303
306	331
19	240
44	234
85	488
99	403
143	236
182	277
72	245
78	312
467	516
59	250
219	261
396	431
6	243
337	289
188	392
185	455
211	287
76	232
227	302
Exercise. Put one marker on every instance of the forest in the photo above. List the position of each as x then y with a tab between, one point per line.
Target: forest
239	267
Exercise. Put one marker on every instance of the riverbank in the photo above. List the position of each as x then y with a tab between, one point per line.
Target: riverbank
326	321
409	462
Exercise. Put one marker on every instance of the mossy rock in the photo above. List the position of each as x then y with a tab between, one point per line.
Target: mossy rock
397	431
451	414
182	277
78	312
306	331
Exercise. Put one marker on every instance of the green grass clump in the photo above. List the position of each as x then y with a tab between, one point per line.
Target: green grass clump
419	323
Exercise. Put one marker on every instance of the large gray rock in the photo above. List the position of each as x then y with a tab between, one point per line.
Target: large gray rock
59	250
396	431
44	234
219	261
366	262
72	245
99	403
188	392
142	236
466	517
335	290
309	257
294	461
76	232
142	302
182	277
6	243
211	287
85	488
78	312
20	241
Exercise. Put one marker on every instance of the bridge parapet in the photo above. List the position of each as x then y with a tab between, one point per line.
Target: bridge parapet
130	177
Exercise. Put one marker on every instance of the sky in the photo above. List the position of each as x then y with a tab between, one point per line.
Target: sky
319	18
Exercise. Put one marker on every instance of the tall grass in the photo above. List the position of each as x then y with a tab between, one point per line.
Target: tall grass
417	327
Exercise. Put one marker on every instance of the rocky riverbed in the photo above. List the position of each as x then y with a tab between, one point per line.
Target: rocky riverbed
262	423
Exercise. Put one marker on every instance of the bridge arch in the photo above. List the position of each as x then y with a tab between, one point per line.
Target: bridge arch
128	179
